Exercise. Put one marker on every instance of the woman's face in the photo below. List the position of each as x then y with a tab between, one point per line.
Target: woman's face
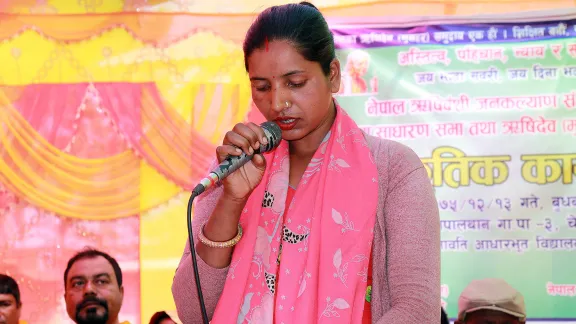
291	90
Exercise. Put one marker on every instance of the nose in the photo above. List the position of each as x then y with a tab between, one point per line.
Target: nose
89	289
278	99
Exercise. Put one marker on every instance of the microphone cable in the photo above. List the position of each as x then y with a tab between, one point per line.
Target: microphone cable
195	193
274	135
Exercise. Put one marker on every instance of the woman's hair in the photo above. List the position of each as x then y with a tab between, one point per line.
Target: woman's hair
300	24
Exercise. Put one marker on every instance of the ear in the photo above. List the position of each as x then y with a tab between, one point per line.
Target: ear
334	77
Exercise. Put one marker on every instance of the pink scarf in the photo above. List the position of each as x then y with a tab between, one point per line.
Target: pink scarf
327	238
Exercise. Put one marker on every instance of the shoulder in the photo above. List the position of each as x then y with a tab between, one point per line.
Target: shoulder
390	155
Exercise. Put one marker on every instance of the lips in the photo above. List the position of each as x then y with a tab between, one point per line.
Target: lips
286	123
91	304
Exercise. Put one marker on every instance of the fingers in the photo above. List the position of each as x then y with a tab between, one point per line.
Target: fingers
222	152
259	162
243	138
259	132
248	137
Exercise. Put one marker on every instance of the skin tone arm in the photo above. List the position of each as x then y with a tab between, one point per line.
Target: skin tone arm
221	226
223	223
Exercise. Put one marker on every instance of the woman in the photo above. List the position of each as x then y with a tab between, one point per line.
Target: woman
320	210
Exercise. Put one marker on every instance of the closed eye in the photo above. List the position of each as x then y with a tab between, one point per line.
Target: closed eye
296	85
289	84
262	88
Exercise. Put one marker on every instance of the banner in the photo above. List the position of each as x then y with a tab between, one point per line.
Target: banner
491	110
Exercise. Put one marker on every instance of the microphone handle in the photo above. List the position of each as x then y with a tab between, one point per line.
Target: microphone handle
229	165
233	163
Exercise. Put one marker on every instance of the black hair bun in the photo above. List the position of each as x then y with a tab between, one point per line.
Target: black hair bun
306	3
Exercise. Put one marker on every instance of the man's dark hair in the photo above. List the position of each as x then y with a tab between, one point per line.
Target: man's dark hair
9	286
301	24
90	254
159	316
444	316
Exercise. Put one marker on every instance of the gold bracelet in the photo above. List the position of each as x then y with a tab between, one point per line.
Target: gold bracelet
220	245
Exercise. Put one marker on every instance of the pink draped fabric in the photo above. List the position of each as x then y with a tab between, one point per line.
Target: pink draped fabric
177	134
278	271
51	110
36	244
89	121
73	121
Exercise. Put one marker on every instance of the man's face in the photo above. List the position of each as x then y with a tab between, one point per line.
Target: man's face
92	294
167	321
9	309
486	316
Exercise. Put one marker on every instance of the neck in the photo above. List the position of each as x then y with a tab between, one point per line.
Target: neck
305	147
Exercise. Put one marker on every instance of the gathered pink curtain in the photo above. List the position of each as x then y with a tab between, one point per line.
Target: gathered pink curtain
36	244
87	121
50	109
138	113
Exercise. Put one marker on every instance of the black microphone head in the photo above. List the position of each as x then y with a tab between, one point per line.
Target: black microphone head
273	134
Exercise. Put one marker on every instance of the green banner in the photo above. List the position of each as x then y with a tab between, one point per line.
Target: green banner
491	110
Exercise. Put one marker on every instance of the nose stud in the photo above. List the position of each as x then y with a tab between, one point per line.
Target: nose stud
287	104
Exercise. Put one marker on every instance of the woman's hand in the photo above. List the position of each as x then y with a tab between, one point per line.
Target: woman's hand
243	138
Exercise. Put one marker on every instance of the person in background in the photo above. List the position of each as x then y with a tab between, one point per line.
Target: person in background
93	288
291	238
10	303
356	68
443	317
491	301
161	318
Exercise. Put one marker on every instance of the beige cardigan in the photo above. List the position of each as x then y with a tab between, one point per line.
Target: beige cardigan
406	251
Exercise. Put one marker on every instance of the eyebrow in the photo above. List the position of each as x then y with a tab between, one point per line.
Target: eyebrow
95	276
6	298
282	76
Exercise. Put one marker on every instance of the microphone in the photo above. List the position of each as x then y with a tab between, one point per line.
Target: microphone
232	163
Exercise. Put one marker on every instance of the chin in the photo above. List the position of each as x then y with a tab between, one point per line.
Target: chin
292	135
93	317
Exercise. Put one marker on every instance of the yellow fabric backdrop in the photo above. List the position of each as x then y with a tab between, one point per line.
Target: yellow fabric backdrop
190	76
179	70
336	7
